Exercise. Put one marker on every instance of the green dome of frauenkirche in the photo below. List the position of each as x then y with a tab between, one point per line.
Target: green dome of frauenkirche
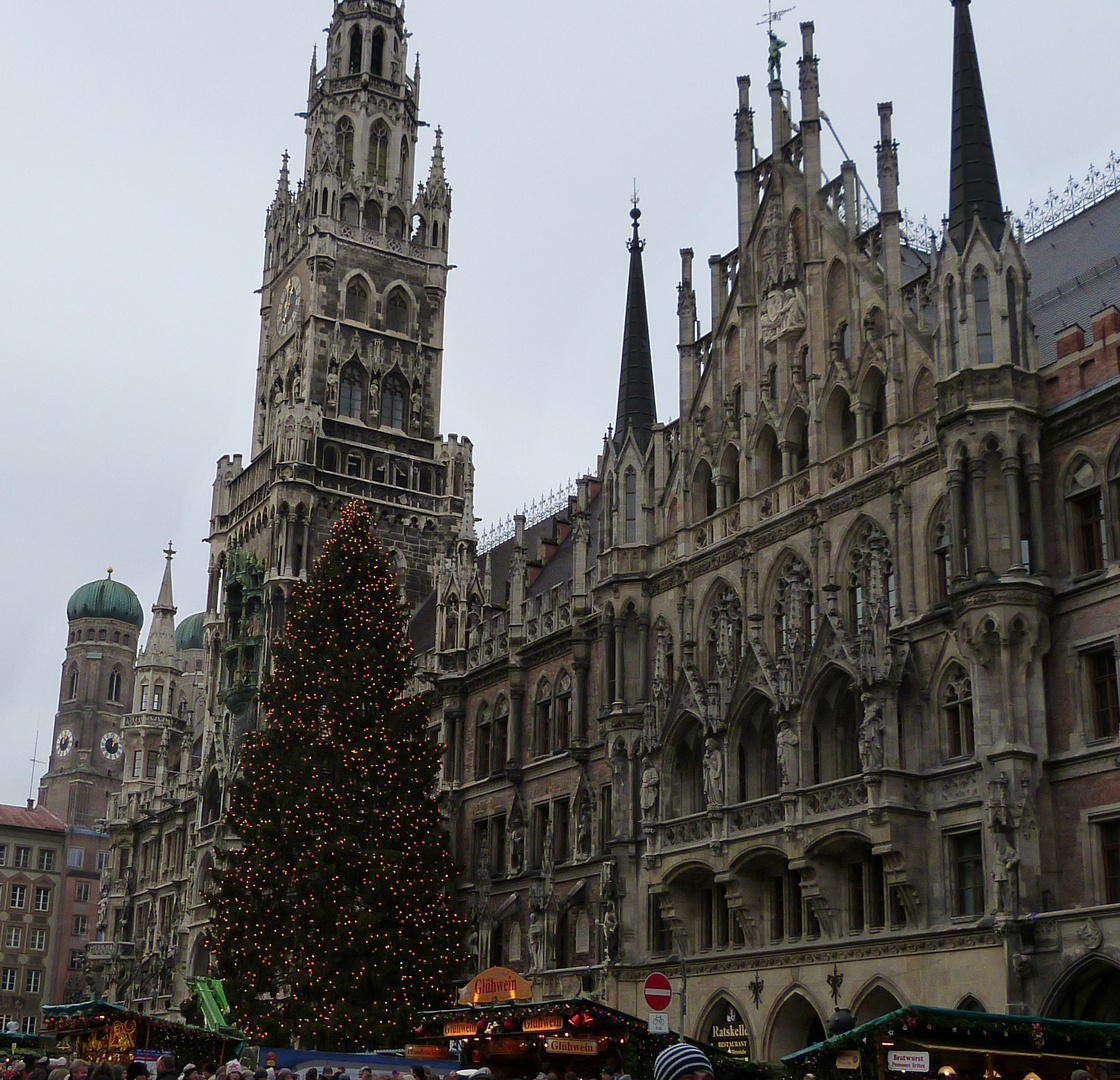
106	599
188	634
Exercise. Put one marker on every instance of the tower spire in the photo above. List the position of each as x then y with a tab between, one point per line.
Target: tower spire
161	636
637	407
974	183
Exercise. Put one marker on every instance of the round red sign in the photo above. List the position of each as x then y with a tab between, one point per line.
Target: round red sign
658	992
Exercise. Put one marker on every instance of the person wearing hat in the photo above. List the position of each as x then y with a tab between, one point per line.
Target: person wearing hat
136	1070
233	1068
682	1061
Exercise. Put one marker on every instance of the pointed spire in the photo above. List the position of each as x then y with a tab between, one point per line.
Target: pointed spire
437	174
637	406
974	184
161	636
283	187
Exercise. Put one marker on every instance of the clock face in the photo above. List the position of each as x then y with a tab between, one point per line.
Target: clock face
287	310
64	743
111	746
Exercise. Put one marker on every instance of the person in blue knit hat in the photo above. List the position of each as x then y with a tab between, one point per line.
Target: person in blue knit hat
682	1061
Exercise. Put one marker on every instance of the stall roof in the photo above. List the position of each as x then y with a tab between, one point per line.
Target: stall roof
992	1032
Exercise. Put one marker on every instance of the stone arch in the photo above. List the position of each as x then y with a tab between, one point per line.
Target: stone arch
210	809
729	474
724	1024
873	397
703	491
768	458
722	629
971	1003
832	733
797	436
836	293
754	750
683	765
795	1023
865	571
199	963
839	422
1089	990
357	297
925	391
875	1000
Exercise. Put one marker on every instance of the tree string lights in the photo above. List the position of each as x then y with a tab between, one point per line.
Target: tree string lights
331	919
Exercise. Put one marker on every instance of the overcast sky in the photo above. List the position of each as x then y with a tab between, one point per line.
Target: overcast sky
142	143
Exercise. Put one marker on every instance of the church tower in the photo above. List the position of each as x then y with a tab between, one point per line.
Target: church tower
349	376
351	356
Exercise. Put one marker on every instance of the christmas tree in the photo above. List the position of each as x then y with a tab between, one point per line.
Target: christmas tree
331	919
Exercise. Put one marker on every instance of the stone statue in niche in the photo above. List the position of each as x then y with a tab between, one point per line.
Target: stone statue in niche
583	828
787	754
871	735
782	315
1006	876
516	846
417	408
651	786
610	931
713	773
536	939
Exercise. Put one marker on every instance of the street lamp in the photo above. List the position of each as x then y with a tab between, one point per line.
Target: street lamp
674	958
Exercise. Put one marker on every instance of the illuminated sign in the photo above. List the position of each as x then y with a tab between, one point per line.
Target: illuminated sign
909	1061
541	1023
734	1039
458	1029
572	1047
496	984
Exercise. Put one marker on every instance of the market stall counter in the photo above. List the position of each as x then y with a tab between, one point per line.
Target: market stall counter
947	1044
100	1031
516	1040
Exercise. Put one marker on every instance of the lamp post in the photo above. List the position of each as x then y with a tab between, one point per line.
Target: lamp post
674	958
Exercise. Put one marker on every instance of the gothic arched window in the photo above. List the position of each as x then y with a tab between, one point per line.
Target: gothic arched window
982	303
483	743
795	610
631	507
377	160
394	223
344	138
542	719
956	709
392	403
396	312
562	712
942	562
72	688
115	685
350	392
1086	506
404	162
725	635
356	43
954	324
872	586
1013	318
357	301
500	750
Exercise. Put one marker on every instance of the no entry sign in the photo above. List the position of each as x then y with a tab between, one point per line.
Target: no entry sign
658	992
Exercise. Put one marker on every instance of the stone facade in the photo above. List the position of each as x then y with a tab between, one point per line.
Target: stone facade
34	918
809	696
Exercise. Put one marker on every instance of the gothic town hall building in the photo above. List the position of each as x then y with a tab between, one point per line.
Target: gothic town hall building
818	679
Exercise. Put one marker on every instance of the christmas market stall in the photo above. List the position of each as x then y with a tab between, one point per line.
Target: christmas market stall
947	1044
101	1031
499	1028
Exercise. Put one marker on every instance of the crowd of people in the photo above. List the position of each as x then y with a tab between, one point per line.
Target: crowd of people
682	1061
33	1067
